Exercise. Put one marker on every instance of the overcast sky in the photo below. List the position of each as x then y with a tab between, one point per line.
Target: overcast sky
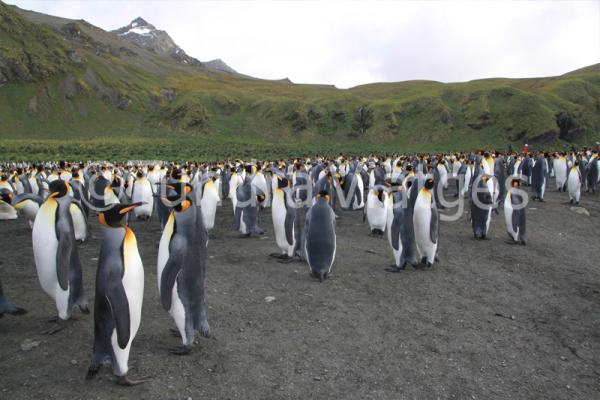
349	43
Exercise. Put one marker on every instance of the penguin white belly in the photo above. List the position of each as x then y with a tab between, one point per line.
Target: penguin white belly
208	205
45	246
560	171
508	210
177	312
163	247
574	186
279	213
376	212
79	222
361	193
133	283
29	209
142	192
7	211
243	228
422	221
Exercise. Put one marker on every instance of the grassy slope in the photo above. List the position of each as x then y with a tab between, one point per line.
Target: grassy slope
65	108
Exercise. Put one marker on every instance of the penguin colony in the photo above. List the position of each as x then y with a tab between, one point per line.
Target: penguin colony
400	194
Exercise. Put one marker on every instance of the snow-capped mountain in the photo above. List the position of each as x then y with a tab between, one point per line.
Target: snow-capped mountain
144	34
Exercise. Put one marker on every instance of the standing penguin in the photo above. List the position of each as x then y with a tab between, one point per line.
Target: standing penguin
181	269
56	256
7	306
119	294
539	178
319	237
284	220
376	210
246	209
401	234
208	204
560	171
481	207
514	213
142	193
426	224
574	180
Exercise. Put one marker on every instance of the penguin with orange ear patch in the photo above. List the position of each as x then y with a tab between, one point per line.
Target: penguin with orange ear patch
319	237
482	203
56	256
426	223
119	294
181	268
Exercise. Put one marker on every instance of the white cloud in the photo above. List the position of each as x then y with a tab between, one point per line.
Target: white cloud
357	42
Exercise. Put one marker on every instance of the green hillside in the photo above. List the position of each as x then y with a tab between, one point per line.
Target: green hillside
68	88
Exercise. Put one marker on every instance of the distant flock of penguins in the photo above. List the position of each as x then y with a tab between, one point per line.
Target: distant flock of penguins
398	194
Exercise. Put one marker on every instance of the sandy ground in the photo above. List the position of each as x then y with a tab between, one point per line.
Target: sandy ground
489	321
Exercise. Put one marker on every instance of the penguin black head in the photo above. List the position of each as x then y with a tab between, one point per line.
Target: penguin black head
58	188
282	182
139	174
176	174
429	183
115	215
6	196
248	169
324	194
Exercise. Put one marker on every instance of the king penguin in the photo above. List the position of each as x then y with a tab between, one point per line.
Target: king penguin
142	193
514	212
284	220
7	211
208	204
481	206
119	294
181	269
319	237
400	230
28	205
55	253
574	183
426	223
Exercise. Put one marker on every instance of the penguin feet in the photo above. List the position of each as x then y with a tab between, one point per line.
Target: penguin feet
394	268
428	264
181	350
57	327
175	332
278	255
125	381
84	308
93	371
523	242
509	241
52	320
204	328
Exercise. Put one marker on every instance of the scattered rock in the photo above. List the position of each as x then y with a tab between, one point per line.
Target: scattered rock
581	211
29	344
269	299
73	362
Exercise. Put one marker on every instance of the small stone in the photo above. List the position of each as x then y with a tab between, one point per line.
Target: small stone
563	358
317	378
29	344
73	362
269	299
581	211
512	317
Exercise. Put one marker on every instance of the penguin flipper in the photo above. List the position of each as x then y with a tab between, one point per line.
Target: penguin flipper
168	278
395	235
434	228
117	298
290	217
63	259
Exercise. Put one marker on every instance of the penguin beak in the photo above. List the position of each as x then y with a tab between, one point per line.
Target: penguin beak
53	195
130	207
